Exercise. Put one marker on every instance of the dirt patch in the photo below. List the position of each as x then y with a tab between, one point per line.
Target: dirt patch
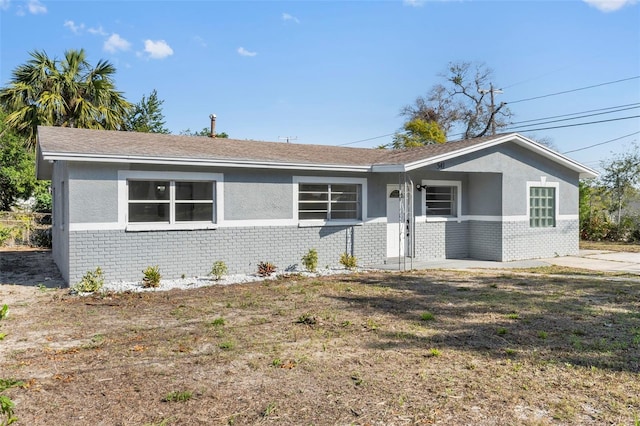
29	267
427	347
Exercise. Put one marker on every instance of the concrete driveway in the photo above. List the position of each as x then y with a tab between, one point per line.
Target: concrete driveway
595	260
599	260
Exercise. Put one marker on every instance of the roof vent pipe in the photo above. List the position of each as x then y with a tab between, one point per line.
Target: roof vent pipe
213	126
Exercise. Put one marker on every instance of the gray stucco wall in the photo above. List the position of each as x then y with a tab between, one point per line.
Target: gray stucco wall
60	225
517	166
93	193
257	195
123	255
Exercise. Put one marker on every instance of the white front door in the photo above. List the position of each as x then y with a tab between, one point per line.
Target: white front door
396	226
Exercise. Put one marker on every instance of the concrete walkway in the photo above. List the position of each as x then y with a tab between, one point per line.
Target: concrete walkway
596	260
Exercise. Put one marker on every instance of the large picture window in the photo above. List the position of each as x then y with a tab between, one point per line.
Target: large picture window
170	201
542	207
319	201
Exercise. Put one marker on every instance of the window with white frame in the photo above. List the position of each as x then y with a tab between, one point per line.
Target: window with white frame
329	201
441	198
542	206
170	201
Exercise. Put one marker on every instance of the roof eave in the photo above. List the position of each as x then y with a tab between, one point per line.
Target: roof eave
201	162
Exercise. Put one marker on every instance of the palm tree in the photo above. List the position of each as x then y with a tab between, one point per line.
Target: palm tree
66	93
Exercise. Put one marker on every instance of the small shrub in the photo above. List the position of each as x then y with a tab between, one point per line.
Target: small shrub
348	261
218	270
310	260
92	281
178	396
266	268
5	234
151	277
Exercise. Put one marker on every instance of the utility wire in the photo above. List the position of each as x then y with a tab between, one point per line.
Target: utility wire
573	90
601	143
574	125
365	140
575	118
576	113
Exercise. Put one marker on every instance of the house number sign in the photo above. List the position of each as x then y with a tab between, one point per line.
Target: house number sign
440	165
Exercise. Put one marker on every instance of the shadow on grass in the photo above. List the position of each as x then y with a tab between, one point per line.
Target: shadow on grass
581	321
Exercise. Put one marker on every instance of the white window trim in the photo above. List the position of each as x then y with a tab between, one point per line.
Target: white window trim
123	199
455	218
330	180
544	184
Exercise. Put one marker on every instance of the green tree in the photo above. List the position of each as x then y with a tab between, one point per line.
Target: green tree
418	132
17	169
67	93
146	116
204	132
464	102
620	177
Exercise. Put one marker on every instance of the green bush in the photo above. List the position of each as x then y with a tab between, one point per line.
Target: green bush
152	277
218	269
5	234
310	260
348	261
91	281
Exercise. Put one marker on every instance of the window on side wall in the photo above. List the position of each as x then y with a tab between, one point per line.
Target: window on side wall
170	201
542	207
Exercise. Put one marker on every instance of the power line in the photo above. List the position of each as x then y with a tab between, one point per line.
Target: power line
635	105
575	118
574	90
574	125
365	140
601	143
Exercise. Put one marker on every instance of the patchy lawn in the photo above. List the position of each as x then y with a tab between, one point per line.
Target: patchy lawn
428	347
610	246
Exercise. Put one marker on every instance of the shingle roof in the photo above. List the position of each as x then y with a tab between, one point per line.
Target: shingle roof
102	145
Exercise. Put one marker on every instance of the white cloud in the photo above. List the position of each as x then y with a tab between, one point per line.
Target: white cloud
115	43
244	52
287	17
4	4
610	5
97	31
76	29
36	8
157	49
413	3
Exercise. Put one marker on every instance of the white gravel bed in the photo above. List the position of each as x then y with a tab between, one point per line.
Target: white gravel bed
195	282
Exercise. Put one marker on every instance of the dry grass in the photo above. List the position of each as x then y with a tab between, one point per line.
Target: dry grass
494	348
609	246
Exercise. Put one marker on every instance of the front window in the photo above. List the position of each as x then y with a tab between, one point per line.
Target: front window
441	200
170	201
542	207
320	201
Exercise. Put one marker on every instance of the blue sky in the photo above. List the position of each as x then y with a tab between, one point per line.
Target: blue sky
336	72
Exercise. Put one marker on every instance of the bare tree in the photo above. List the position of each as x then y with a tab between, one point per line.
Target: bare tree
465	101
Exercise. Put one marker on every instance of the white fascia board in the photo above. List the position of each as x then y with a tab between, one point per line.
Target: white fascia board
208	163
583	171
